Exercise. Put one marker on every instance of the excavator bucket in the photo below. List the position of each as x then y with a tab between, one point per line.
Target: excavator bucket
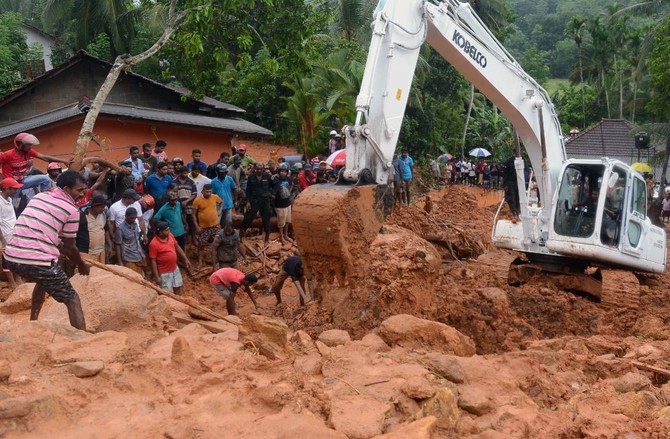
334	226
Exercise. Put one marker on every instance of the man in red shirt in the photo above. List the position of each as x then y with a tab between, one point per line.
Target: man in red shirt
226	281
305	177
15	163
163	252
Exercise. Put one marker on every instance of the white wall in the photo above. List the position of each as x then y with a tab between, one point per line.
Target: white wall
47	43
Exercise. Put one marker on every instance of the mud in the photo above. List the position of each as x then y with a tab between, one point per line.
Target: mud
548	363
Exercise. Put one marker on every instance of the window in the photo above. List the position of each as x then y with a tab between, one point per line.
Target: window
578	199
639	199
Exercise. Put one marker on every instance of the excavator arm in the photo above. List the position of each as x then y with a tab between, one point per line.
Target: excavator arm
330	221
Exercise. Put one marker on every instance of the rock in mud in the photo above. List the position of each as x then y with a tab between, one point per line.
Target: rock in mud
14	408
106	346
267	335
303	341
109	301
19	300
182	355
334	337
85	369
412	332
359	416
446	366
5	371
420	429
474	400
418	387
631	382
444	407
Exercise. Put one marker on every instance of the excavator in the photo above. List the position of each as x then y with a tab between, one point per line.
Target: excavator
590	226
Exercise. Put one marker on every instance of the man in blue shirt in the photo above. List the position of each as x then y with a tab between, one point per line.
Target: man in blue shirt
171	212
398	182
196	154
407	173
224	186
157	184
136	163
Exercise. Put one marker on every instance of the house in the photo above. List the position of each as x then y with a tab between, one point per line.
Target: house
138	110
610	138
35	35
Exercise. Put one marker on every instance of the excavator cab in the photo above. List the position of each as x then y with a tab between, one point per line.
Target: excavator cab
600	215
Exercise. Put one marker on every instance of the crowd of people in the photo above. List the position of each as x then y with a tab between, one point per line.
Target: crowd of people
142	214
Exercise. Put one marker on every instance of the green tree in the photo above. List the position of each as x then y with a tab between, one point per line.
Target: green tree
306	111
13	49
82	21
575	28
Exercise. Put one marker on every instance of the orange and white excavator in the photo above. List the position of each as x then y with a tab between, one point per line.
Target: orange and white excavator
591	224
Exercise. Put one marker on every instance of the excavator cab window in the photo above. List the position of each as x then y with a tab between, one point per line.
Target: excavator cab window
578	200
614	207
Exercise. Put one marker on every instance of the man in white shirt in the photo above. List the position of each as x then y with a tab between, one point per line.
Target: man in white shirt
8	188
117	212
199	179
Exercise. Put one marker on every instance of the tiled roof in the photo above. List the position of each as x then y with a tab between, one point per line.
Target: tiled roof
230	124
608	138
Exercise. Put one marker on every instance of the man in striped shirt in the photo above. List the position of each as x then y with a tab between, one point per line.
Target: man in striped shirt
46	229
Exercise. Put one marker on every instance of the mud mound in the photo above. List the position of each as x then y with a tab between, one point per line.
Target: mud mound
401	277
110	302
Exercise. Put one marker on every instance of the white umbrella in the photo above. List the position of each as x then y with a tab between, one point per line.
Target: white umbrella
479	152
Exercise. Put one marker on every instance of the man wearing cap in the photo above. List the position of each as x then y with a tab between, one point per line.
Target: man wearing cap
164	253
46	229
226	282
93	230
196	154
8	188
172	213
305	177
246	160
127	238
283	188
332	143
15	163
117	211
259	196
53	171
178	164
239	176
224	186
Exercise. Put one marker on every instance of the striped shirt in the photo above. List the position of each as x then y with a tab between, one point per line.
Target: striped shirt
48	217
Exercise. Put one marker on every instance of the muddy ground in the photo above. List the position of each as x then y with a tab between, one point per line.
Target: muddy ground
430	343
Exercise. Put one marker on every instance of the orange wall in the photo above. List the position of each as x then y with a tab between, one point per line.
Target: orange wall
116	135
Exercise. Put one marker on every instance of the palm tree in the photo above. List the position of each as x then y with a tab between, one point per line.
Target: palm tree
305	109
352	18
340	79
87	18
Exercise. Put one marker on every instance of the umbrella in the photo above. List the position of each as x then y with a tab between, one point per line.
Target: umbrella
479	152
444	158
338	158
642	168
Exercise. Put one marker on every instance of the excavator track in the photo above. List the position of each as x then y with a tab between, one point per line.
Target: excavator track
620	289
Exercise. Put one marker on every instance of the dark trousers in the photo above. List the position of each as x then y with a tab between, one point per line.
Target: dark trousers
258	206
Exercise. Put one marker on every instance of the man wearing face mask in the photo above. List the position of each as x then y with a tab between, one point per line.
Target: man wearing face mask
259	196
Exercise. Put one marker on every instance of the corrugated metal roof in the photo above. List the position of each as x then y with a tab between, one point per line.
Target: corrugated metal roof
83	55
229	124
